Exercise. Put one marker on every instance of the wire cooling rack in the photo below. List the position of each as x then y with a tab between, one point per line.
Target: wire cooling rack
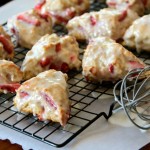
89	101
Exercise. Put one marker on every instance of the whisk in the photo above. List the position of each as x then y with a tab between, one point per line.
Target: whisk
134	97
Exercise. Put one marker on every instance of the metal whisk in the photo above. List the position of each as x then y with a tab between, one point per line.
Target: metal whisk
134	97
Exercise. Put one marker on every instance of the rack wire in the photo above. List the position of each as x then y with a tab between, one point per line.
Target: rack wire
89	101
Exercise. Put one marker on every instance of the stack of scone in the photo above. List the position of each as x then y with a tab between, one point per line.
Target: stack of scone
45	93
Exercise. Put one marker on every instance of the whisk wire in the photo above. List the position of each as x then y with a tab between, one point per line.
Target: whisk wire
134	97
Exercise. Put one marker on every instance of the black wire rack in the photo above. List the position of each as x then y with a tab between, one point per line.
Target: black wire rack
89	101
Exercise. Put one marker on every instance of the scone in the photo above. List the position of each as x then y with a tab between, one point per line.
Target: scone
135	5
106	60
10	76
61	10
138	34
29	27
6	46
106	22
45	96
51	52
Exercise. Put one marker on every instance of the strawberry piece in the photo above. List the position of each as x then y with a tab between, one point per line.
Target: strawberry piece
44	16
87	78
13	30
71	13
93	70
49	100
73	58
144	2
135	64
23	94
39	5
59	18
111	4
123	16
64	67
6	44
28	19
80	2
58	47
111	68
45	61
54	66
10	87
93	21
38	8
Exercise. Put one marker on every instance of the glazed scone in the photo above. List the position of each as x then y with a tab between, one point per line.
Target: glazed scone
45	96
106	60
62	10
29	27
10	76
51	52
135	5
6	46
107	22
138	34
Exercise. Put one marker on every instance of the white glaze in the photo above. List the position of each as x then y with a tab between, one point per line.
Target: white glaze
103	52
46	47
135	5
53	84
26	33
62	7
137	35
107	24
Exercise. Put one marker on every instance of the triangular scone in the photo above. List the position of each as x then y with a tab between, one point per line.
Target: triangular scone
29	27
62	10
138	34
106	22
51	52
135	5
106	60
10	76
46	96
6	46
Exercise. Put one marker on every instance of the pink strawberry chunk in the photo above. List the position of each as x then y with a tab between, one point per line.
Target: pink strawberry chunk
93	21
10	87
111	68
28	19
54	66
72	58
45	61
59	18
39	5
64	67
135	64
80	2
93	70
144	2
23	94
71	13
58	47
123	16
6	44
49	100
44	16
